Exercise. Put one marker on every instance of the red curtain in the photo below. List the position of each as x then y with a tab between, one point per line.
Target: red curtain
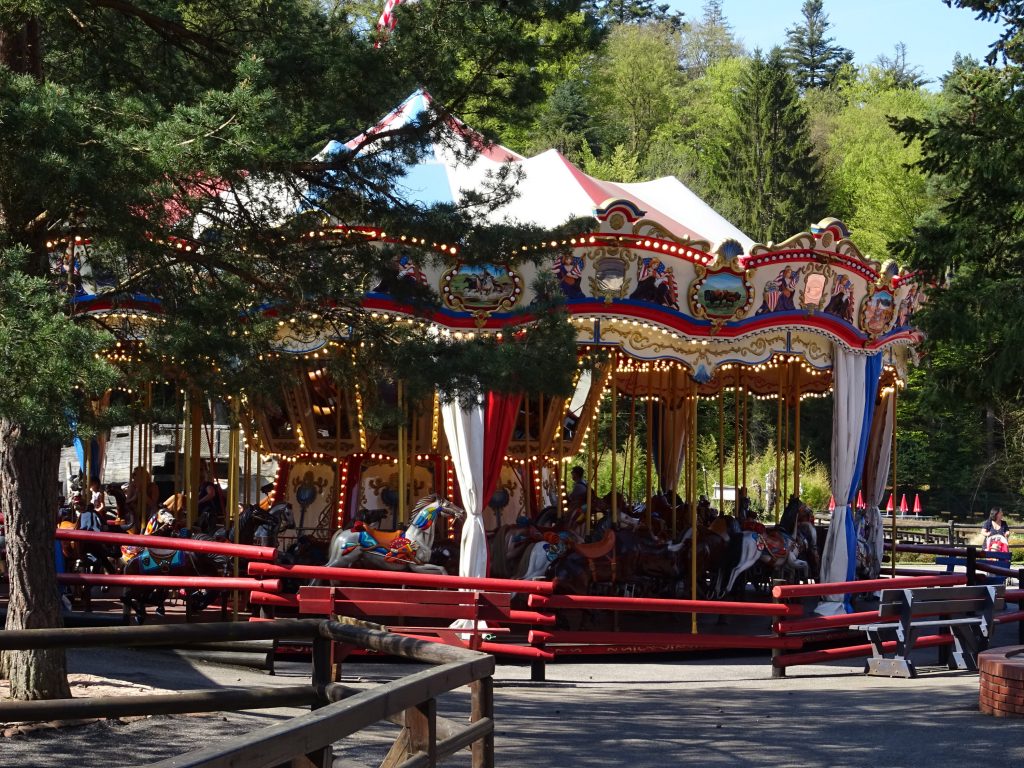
499	420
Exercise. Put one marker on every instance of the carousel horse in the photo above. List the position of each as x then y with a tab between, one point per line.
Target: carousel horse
394	550
621	562
774	550
260	527
712	553
509	545
152	560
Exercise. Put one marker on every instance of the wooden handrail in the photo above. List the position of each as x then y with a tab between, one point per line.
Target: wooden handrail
337	711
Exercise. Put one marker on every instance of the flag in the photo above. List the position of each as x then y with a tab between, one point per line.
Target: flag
387	21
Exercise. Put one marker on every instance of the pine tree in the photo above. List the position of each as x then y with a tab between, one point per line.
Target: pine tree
814	59
133	124
708	41
769	178
610	12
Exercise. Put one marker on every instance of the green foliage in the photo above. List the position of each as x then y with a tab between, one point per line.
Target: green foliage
632	101
815	60
869	171
770	181
637	12
49	364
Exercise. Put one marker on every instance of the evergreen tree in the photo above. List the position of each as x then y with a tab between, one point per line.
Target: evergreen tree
897	73
769	178
814	58
636	87
135	124
609	12
972	147
708	41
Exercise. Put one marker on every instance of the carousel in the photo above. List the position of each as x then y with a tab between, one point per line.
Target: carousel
676	312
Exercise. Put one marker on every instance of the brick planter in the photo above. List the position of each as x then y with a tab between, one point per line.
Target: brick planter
1002	681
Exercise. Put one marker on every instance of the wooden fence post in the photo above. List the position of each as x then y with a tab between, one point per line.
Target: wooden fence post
972	565
777	672
482	696
421	721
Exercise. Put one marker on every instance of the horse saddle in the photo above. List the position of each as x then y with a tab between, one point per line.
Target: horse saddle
775	543
161	560
383	539
720	526
596	549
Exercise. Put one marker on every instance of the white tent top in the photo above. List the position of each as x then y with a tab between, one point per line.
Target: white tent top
551	191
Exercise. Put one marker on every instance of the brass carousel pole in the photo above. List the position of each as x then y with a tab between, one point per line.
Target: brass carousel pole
892	552
649	487
672	451
615	447
785	449
721	450
691	452
780	401
560	467
401	454
796	443
149	429
743	443
527	483
736	446
631	446
591	467
194	458
177	440
232	500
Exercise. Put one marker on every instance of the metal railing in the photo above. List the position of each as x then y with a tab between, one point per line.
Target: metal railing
337	711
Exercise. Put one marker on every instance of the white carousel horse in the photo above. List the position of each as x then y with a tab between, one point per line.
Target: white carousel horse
775	549
394	550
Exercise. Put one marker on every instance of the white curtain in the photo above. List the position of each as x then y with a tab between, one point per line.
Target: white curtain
855	382
464	428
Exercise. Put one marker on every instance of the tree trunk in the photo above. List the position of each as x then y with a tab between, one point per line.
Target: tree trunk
28	497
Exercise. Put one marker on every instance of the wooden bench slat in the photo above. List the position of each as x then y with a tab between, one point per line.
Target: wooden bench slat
945	593
932	607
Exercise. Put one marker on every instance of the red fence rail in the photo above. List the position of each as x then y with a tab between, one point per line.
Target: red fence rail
246	551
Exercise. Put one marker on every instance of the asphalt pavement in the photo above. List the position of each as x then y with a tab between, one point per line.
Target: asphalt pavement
645	713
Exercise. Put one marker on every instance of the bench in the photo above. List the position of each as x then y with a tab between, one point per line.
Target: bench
392	608
1001	559
965	612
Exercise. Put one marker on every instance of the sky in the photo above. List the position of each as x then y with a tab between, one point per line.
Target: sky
932	32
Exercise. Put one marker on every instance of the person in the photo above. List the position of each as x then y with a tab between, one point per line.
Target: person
995	526
91	519
578	495
97	498
209	504
267	489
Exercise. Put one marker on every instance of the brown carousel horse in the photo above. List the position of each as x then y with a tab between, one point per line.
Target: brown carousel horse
155	561
622	562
